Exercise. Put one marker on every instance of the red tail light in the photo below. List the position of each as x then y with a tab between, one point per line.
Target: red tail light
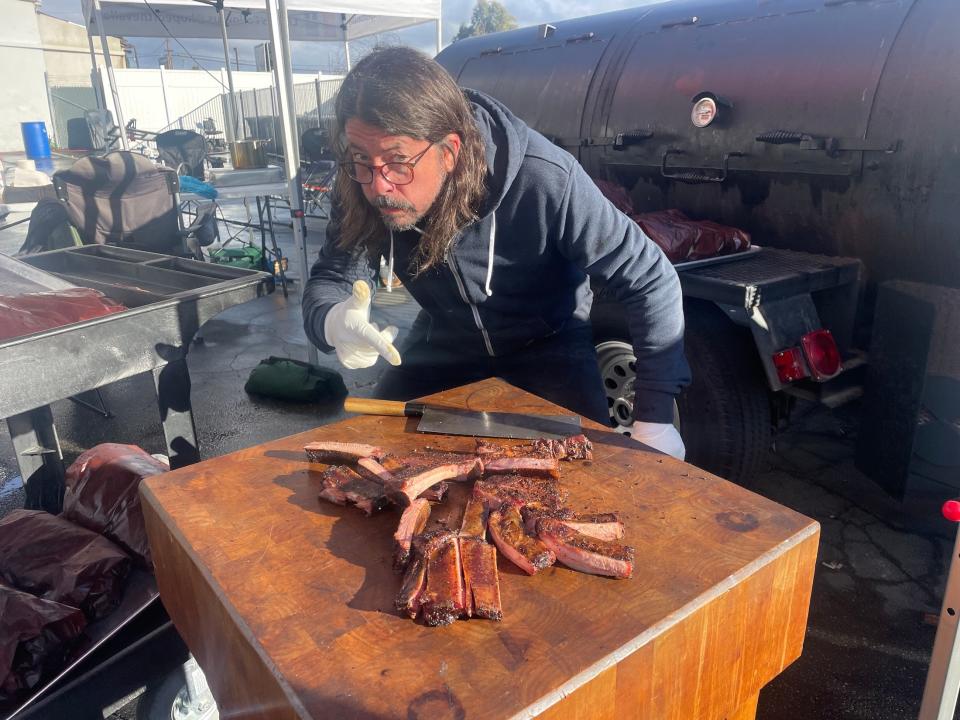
790	366
822	354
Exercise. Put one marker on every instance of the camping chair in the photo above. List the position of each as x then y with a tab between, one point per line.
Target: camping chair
104	134
214	137
124	199
184	151
320	169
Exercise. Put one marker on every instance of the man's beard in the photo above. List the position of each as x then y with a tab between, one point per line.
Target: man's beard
409	221
405	222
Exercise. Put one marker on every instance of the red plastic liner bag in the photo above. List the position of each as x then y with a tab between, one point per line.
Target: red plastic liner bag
102	495
35	638
50	557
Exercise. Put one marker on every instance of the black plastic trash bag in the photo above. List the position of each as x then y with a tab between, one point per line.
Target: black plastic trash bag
36	636
102	495
48	556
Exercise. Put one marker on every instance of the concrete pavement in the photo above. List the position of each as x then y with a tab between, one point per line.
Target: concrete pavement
881	566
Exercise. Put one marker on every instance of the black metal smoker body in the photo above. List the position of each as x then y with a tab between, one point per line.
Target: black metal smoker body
825	128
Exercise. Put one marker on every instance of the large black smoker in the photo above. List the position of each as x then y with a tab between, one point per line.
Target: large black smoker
820	126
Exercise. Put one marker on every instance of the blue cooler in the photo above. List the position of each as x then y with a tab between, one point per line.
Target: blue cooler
35	140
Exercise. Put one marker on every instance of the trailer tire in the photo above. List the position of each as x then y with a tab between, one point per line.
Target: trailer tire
723	415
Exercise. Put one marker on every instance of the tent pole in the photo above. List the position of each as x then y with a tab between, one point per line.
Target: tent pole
231	124
95	75
280	47
110	76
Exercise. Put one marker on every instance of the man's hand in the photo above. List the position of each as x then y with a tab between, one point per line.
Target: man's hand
660	436
358	341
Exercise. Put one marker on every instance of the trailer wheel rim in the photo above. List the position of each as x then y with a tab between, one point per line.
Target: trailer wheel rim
618	372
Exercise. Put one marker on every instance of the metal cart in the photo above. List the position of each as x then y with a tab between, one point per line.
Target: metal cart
168	300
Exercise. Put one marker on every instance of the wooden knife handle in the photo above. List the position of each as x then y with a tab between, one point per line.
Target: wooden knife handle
372	406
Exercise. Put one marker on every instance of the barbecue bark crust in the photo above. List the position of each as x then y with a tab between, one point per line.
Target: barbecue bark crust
340	452
480	578
442	600
342	486
527	553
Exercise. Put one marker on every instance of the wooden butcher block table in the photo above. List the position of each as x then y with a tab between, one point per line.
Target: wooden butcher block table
287	601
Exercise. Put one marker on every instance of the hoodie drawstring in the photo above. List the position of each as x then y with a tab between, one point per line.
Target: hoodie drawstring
490	249
390	266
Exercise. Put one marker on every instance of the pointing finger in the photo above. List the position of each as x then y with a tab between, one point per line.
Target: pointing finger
389	333
381	344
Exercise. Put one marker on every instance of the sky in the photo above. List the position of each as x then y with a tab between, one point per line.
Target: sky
328	57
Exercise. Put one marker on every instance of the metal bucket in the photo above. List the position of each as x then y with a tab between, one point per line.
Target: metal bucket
247	154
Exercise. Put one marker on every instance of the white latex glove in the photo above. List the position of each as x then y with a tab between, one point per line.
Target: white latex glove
660	436
358	341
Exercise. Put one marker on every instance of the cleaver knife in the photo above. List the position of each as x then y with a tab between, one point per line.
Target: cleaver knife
477	423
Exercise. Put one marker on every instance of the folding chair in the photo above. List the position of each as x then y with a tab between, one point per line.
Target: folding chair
320	169
184	151
104	134
124	199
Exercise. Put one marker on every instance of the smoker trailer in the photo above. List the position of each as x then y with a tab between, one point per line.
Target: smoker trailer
825	128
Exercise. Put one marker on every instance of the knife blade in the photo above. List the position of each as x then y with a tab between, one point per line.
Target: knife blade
447	420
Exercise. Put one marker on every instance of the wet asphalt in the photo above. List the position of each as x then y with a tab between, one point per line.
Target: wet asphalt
880	570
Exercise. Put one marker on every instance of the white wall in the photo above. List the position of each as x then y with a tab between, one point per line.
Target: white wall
22	65
158	97
67	52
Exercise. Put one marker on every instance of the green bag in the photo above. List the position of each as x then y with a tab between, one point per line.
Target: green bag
295	381
247	257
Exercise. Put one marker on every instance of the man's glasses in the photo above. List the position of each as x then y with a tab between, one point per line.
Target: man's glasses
396	173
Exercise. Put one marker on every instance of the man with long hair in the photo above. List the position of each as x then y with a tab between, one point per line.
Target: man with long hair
494	231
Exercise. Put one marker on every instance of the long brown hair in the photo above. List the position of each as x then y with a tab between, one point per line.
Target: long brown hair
404	92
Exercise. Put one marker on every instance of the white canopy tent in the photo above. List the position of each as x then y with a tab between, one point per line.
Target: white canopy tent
277	21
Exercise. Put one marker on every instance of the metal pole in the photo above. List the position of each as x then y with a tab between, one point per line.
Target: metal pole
279	34
163	89
231	124
95	75
110	76
346	49
316	89
439	37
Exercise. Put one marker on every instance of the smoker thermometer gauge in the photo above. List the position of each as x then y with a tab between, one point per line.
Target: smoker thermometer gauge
704	112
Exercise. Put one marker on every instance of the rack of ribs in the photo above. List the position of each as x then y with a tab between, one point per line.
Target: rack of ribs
586	554
524	551
341	485
496	490
602	526
421	471
340	452
442	598
481	581
571	448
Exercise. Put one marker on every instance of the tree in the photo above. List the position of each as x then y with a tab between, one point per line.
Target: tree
489	16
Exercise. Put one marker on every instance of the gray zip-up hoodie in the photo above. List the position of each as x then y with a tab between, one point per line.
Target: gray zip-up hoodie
520	273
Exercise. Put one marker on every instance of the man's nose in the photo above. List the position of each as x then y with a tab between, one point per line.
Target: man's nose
380	184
